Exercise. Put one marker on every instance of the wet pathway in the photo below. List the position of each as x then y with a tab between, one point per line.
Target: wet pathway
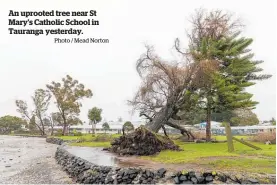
29	161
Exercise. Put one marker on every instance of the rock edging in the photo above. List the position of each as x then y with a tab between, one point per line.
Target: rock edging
53	140
88	173
83	171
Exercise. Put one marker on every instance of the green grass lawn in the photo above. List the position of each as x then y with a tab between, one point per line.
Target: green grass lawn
217	156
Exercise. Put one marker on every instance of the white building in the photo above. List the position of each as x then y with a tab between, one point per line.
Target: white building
115	127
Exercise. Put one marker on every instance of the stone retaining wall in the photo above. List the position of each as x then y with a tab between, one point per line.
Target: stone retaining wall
53	140
88	173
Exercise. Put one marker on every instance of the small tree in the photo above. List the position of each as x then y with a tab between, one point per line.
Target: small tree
106	126
68	95
128	126
41	101
94	115
55	118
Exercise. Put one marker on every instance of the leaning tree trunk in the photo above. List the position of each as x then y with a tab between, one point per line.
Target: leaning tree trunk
163	118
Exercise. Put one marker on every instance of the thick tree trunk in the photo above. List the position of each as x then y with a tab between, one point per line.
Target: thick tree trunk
161	118
208	125
64	129
92	128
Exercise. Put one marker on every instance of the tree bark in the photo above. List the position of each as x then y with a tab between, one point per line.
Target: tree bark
161	118
64	129
64	123
208	125
92	128
164	131
41	122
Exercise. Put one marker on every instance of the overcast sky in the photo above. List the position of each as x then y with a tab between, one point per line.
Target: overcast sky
29	62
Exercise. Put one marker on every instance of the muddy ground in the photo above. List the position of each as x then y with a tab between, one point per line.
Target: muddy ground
29	161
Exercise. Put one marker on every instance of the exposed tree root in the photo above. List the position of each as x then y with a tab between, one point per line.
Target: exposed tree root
142	142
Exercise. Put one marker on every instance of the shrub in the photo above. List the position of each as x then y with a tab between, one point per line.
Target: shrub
26	132
86	138
78	134
103	137
59	132
264	137
75	133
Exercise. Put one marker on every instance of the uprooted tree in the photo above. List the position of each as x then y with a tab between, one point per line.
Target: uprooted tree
164	90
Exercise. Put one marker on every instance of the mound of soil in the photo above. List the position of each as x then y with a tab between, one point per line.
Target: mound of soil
141	142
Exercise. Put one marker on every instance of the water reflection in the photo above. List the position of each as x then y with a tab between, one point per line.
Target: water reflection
95	155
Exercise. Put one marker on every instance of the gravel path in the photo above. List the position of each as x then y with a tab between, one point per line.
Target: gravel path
29	161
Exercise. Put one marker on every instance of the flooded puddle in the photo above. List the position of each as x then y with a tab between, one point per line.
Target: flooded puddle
94	155
97	156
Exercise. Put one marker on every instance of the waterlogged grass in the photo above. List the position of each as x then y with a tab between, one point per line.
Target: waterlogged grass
91	144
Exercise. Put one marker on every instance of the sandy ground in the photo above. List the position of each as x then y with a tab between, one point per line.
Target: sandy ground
29	161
